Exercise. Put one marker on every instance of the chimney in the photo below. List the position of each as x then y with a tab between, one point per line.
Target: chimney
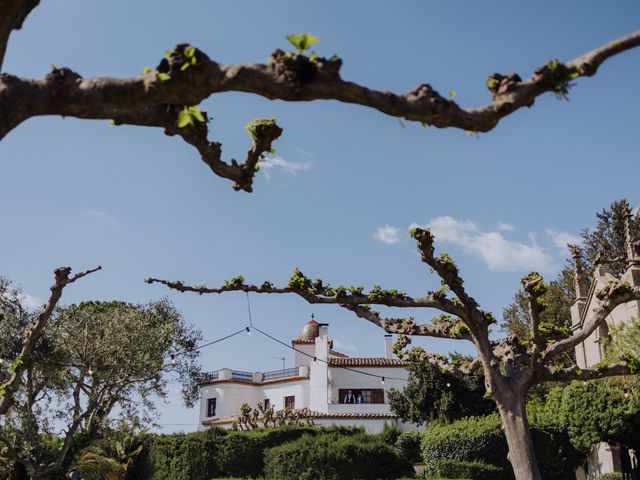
388	346
324	330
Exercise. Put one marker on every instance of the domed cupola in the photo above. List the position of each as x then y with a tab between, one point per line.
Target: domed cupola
309	332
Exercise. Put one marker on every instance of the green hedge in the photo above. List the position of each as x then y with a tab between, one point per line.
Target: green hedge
482	439
334	457
610	476
458	469
217	452
408	445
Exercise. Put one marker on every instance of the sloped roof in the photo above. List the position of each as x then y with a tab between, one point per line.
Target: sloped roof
366	362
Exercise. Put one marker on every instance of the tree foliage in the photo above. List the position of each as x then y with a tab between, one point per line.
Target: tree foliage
433	394
606	410
556	317
97	364
606	241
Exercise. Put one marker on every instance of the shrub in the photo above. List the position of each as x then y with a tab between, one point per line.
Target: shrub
610	476
408	446
191	456
482	439
474	470
333	457
217	452
389	434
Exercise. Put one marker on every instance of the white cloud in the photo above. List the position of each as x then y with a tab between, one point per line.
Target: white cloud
387	234
344	345
290	167
561	239
30	302
506	227
496	251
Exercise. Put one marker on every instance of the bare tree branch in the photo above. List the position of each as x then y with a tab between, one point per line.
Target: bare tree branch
188	76
33	333
12	16
319	293
418	355
440	328
575	373
617	293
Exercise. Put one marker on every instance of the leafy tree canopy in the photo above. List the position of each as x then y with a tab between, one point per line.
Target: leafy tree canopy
432	394
97	365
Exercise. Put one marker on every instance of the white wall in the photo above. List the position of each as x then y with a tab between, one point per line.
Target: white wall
318	382
230	396
341	378
301	358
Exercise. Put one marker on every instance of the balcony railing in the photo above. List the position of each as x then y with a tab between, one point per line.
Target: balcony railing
257	377
240	375
208	376
287	372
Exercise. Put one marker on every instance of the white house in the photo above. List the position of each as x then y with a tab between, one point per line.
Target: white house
604	458
325	385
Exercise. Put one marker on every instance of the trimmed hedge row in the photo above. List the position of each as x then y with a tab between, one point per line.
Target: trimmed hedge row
457	469
334	457
408	446
482	439
216	453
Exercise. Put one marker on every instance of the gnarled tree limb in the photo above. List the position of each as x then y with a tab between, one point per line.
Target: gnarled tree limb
549	374
12	16
322	294
617	293
34	332
188	76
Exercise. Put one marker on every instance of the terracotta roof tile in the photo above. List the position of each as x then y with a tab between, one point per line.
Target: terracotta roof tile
366	362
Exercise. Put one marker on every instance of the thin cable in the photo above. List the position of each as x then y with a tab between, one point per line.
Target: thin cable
249	309
325	361
220	339
199	347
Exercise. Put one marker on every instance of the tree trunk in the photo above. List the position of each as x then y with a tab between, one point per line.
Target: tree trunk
516	429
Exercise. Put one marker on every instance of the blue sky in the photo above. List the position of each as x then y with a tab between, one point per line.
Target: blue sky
139	203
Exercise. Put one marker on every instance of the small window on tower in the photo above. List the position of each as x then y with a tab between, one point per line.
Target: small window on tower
290	402
211	407
267	402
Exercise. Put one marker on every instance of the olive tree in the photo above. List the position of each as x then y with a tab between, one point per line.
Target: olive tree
510	365
96	365
23	339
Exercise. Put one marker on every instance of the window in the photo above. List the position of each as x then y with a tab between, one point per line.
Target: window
290	402
358	395
211	407
267	402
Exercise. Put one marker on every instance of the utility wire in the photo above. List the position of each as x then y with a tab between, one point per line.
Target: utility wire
249	309
316	359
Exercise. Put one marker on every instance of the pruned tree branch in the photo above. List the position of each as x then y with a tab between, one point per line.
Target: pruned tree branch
535	288
33	334
419	355
187	76
441	327
12	16
574	373
617	293
316	292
